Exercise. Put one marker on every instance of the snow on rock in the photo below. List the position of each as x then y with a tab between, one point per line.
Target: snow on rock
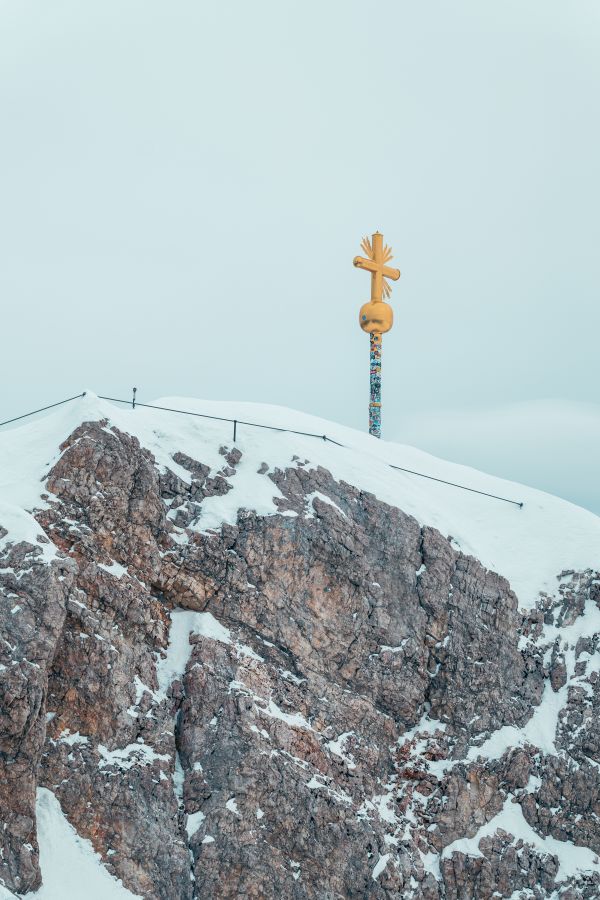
529	546
70	867
194	821
67	738
321	782
133	755
381	864
375	656
573	860
318	495
184	623
115	569
338	748
296	720
179	650
5	894
21	526
541	729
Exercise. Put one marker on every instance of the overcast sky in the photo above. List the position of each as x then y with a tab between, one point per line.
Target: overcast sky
183	187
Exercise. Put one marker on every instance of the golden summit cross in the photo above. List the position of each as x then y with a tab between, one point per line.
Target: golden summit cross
377	257
376	316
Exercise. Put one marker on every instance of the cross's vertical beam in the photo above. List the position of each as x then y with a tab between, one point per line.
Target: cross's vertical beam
376	343
377	275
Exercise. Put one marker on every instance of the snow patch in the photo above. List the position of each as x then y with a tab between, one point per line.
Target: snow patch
231	805
66	737
337	747
540	730
70	867
115	569
381	864
194	821
132	755
296	720
309	504
184	623
573	859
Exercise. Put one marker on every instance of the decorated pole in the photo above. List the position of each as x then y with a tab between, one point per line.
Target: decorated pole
375	385
376	316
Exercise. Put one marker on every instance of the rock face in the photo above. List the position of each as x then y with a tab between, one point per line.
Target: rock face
328	702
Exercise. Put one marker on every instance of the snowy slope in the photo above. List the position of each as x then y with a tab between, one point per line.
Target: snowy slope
529	546
68	861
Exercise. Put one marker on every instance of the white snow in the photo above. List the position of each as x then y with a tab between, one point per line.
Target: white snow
431	863
317	495
132	755
194	821
71	869
425	726
385	648
5	894
178	780
529	546
321	782
115	569
184	623
66	737
382	804
179	650
381	864
338	748
21	526
541	728
573	860
296	720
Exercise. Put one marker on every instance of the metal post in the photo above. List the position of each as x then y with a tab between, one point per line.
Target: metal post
133	401
375	384
234	429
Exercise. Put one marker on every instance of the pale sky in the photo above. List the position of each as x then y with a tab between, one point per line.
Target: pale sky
183	187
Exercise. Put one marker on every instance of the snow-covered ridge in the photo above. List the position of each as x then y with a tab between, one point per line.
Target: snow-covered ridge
529	546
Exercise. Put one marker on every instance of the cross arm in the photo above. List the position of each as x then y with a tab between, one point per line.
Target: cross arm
369	264
388	272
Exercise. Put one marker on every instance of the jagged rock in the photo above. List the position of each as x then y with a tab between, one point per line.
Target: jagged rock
324	731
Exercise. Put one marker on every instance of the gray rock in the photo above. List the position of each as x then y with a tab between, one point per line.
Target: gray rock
328	747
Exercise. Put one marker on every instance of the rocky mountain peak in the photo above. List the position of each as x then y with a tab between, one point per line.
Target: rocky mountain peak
265	669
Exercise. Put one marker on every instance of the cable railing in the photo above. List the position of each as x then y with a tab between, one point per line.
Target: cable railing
235	422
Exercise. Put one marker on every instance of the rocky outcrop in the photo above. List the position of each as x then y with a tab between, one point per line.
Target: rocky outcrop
332	701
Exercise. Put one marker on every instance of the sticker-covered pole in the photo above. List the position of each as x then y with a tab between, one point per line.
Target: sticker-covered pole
376	316
375	385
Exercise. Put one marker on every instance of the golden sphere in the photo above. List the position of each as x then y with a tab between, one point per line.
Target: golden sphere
376	316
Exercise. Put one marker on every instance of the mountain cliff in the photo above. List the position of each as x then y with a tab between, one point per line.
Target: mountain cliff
277	667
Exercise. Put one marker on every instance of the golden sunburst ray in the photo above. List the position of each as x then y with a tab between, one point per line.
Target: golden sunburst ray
387	291
387	254
366	246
